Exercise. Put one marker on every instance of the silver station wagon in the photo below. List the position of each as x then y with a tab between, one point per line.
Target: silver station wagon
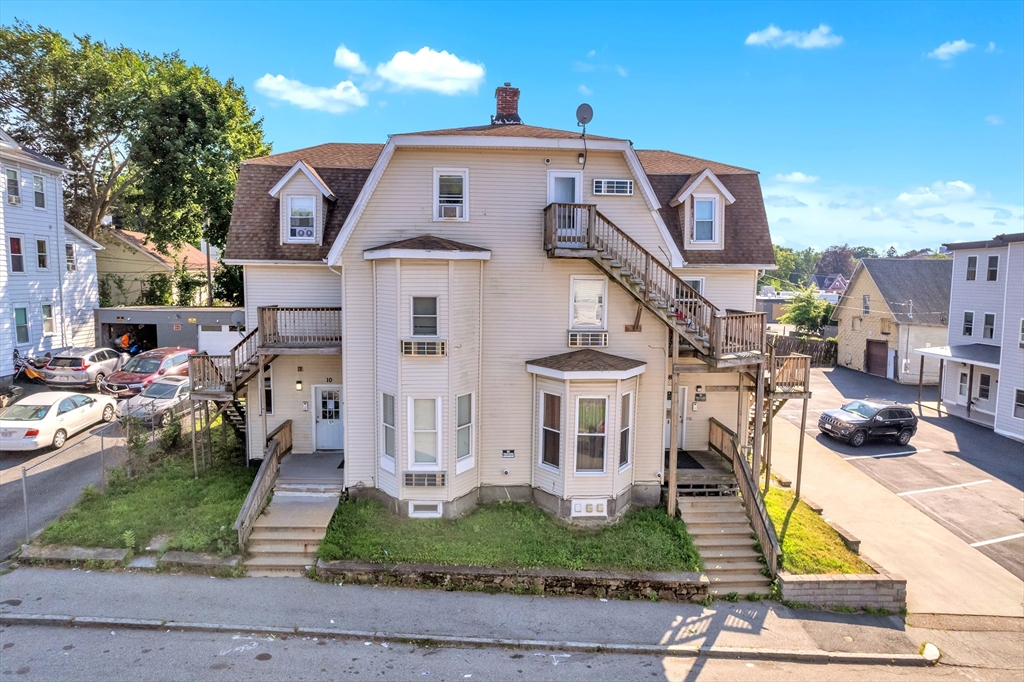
81	367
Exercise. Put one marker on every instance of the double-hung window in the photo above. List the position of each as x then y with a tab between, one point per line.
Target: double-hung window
1018	403
42	255
590	435
387	427
39	191
587	308
424	316
450	193
866	304
47	311
989	329
696	284
551	429
17	251
463	433
625	429
968	323
1021	333
964	377
984	386
268	388
703	220
302	219
69	257
21	325
425	434
993	268
972	268
13	188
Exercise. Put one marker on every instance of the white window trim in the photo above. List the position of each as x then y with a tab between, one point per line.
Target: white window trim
990	386
552	174
268	376
70	263
47	253
987	267
561	432
629	425
865	304
425	515
387	462
1021	340
10	255
604	182
963	382
437	318
288	225
469	461
713	198
53	318
28	323
967	269
435	198
576	435
43	179
702	281
995	319
572	302
424	466
963	323
17	185
1013	407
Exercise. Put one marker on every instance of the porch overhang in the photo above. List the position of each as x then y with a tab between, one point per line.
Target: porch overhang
586	364
970	354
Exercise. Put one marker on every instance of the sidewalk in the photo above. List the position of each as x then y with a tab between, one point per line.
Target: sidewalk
249	603
944	574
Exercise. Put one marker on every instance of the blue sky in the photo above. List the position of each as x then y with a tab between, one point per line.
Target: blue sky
870	123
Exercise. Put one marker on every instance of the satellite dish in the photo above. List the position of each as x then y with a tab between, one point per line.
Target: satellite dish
584	114
238	319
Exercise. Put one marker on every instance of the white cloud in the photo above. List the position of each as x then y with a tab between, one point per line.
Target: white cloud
584	90
939	218
345	58
999	213
991	47
428	69
797	177
994	120
783	201
621	70
947	51
340	99
773	36
938	194
592	54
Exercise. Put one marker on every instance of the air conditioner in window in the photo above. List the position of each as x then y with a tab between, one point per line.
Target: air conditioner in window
451	211
14	200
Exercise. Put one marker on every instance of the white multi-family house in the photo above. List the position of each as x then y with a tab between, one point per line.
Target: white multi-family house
47	267
983	374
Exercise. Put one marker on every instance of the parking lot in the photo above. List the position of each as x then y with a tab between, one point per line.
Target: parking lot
962	475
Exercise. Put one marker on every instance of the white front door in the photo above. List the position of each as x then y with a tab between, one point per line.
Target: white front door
566	187
683	407
330	427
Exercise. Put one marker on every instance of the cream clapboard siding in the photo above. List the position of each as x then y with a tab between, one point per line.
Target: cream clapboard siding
507	194
464	364
725	288
301	186
282	285
119	259
1011	361
387	366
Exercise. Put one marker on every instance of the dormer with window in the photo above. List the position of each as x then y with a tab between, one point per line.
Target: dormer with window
701	204
302	194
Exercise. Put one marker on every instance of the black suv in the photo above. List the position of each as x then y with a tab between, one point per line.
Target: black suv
862	419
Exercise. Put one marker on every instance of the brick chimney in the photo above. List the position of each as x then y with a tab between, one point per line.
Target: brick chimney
508	105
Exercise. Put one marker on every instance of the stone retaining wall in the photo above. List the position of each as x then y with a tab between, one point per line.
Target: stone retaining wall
875	591
610	584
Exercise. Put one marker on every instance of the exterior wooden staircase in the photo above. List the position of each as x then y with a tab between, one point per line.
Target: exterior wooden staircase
723	535
285	538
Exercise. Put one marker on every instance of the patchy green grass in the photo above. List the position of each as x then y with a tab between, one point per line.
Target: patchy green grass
511	535
809	545
167	500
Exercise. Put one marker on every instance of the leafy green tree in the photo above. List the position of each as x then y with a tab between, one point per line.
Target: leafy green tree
228	285
859	252
891	252
807	312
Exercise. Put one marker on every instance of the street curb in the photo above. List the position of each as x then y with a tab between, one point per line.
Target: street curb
705	651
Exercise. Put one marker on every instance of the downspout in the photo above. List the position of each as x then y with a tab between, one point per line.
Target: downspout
344	383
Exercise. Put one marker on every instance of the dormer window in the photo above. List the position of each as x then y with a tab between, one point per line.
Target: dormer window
450	193
302	219
703	219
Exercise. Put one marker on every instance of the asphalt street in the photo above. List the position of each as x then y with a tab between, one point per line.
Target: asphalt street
962	475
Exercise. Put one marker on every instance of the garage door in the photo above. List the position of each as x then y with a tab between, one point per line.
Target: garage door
877	357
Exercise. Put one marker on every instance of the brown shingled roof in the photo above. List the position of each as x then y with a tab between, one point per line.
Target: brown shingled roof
661	162
587	360
189	256
330	155
514	131
427	242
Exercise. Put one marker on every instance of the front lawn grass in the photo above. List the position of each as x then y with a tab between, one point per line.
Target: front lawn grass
809	544
197	515
509	535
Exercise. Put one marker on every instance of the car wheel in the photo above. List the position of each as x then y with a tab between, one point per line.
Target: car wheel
858	438
108	413
904	437
99	378
59	439
165	418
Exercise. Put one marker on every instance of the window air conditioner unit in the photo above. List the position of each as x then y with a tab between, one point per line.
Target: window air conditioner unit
14	200
451	211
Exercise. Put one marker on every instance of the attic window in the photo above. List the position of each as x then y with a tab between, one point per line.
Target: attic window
703	219
302	219
621	187
450	193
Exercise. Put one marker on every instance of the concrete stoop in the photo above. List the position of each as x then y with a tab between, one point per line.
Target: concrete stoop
285	538
722	534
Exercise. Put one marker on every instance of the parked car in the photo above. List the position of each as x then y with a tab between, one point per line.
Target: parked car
159	401
862	419
81	367
144	369
49	418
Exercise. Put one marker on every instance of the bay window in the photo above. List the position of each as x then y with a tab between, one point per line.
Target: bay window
551	429
424	442
463	433
625	429
590	435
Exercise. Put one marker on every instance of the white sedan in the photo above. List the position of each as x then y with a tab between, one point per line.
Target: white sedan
49	417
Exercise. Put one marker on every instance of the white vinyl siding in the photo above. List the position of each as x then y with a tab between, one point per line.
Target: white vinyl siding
282	285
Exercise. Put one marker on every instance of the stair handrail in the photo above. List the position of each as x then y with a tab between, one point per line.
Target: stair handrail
723	440
279	443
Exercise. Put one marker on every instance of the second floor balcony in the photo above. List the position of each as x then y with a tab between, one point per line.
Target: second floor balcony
297	331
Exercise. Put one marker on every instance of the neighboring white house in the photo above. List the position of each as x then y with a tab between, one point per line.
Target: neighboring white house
983	379
47	267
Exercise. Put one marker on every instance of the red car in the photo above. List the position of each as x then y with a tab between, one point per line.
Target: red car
144	369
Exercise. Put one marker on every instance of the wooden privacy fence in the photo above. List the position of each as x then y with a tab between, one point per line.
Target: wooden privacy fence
279	443
823	353
723	441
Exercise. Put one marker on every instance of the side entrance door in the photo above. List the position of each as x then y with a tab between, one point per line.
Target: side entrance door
330	427
876	357
566	187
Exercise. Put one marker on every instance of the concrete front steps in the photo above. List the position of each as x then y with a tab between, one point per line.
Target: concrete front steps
286	536
721	531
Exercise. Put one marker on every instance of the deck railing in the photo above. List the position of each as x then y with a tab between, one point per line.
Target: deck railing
723	441
223	373
299	327
279	443
790	373
569	226
740	333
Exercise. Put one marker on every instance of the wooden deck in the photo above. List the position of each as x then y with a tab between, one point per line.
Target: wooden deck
714	477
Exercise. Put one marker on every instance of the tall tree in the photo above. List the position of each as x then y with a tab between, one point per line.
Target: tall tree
859	252
807	312
836	260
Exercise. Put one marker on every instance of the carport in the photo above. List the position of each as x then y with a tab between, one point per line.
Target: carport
214	330
968	391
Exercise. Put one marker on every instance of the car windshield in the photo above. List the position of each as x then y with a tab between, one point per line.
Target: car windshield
160	390
860	409
27	413
141	365
66	362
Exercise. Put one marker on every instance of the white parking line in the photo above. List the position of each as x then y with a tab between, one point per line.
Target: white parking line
992	542
945	487
887	454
